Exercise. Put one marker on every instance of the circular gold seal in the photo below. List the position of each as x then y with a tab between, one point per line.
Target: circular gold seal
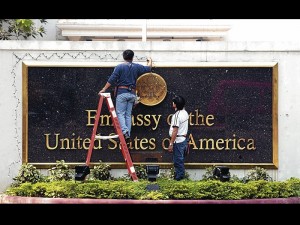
151	88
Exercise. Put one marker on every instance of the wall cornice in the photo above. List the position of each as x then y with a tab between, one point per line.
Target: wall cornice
141	30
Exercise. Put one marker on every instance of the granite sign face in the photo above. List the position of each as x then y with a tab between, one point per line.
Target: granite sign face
232	108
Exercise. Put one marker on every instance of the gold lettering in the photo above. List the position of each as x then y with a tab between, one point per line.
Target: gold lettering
251	145
230	144
218	142
156	121
207	141
48	142
105	120
79	139
152	145
208	118
139	119
91	122
239	146
202	123
73	142
86	143
97	144
136	146
192	142
234	142
169	119
191	119
163	143
200	119
113	144
64	141
227	143
147	119
142	142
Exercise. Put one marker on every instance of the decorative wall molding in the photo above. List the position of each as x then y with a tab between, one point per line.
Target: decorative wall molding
141	30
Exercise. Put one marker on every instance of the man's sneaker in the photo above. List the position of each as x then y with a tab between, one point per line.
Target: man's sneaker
127	137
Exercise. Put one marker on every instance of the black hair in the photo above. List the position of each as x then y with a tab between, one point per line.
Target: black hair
179	102
128	54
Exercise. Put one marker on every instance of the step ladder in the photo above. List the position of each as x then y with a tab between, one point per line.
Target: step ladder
82	171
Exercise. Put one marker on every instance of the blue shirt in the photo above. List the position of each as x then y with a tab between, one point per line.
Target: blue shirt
126	74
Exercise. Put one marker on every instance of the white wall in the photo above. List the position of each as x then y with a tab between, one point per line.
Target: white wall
263	30
241	29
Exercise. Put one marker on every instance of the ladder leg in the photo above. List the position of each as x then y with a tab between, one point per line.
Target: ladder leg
123	143
92	143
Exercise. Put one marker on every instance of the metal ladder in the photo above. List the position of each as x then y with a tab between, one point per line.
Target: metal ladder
118	130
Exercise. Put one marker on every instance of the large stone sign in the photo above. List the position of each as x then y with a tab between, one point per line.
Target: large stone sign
232	108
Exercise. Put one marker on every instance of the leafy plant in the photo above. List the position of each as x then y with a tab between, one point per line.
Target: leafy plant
170	174
101	172
257	173
20	28
61	171
28	173
167	174
235	178
209	173
141	172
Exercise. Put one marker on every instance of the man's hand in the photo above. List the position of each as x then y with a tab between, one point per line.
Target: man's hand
149	61
101	91
136	100
170	148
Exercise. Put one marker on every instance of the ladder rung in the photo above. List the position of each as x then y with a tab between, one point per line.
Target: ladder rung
106	137
105	94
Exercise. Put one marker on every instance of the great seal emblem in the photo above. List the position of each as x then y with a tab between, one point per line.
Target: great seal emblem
151	88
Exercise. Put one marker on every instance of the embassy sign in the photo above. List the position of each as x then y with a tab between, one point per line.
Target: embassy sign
233	109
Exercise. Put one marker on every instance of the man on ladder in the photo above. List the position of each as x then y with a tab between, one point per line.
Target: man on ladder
124	79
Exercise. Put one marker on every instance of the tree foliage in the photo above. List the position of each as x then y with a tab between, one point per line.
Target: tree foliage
11	29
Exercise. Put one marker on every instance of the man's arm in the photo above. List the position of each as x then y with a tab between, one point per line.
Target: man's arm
173	137
149	62
107	85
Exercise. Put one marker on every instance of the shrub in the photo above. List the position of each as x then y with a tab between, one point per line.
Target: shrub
170	174
101	172
28	173
168	189
209	173
141	172
60	171
235	178
257	173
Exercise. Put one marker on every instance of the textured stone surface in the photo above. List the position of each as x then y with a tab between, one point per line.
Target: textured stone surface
238	100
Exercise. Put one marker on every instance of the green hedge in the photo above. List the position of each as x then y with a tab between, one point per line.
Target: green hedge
168	189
